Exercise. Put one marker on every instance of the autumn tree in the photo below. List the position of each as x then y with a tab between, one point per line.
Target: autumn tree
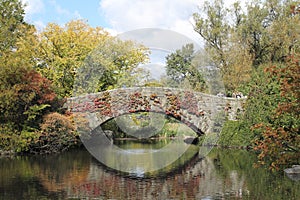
274	99
38	68
20	86
62	50
267	35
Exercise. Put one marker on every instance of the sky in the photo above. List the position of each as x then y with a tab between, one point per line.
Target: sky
118	16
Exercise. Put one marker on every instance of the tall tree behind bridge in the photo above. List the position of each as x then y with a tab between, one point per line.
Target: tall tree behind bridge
182	72
239	40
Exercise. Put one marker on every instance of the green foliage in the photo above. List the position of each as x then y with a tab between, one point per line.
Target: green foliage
26	138
11	21
263	98
12	140
7	137
33	112
236	134
264	95
214	29
240	41
112	64
182	72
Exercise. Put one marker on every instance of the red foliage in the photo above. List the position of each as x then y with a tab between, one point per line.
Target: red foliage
33	82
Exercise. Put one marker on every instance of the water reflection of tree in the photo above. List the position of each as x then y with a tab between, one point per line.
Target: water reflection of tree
235	167
38	177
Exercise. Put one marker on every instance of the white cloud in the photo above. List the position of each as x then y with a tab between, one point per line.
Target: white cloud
125	15
111	31
33	7
176	15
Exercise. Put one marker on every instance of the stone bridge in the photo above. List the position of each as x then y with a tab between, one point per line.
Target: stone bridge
197	110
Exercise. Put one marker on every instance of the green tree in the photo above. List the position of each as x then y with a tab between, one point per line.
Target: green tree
240	41
11	24
181	71
222	41
214	29
113	63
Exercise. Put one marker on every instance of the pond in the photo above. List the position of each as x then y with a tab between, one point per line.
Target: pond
75	174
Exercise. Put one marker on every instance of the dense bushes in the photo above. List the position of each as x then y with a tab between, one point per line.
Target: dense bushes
57	134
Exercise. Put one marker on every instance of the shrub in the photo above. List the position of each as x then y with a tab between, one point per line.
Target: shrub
57	134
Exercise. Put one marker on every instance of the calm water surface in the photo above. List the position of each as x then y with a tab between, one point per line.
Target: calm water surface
223	174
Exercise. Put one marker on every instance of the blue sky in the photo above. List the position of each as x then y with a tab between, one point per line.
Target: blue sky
41	12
